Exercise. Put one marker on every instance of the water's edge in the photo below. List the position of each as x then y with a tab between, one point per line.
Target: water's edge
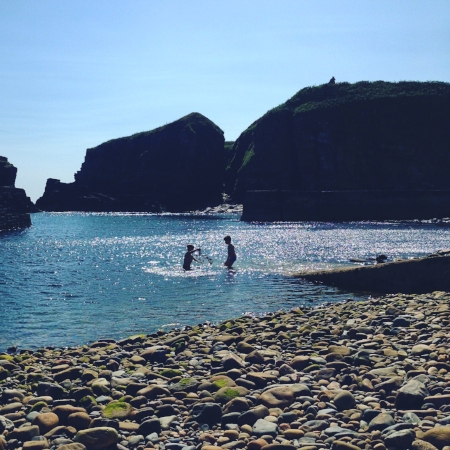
75	278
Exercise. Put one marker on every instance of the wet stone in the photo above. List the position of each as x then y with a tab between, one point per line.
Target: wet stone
411	395
344	400
263	427
209	413
381	421
278	397
400	439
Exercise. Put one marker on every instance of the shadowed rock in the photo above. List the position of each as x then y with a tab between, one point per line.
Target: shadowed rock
15	206
176	167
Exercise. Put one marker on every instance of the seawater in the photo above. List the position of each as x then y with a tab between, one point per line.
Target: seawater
73	278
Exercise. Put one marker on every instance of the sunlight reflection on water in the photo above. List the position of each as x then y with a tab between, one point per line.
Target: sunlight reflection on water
74	278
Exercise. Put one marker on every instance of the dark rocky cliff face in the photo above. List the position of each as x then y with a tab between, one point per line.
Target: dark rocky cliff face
14	204
175	167
7	172
389	136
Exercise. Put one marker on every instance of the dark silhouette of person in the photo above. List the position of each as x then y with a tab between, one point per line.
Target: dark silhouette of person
332	81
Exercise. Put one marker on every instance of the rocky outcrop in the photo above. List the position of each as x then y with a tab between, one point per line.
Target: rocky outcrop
341	137
331	206
7	172
15	206
410	276
175	167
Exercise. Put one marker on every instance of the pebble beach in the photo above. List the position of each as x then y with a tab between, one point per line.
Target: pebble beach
353	375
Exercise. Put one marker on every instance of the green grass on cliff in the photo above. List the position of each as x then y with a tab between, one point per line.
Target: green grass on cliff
329	95
247	157
191	122
228	145
415	112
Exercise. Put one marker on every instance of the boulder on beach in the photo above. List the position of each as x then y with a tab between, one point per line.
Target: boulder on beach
97	438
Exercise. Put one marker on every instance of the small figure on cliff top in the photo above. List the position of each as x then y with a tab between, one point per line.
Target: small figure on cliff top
332	81
189	257
231	253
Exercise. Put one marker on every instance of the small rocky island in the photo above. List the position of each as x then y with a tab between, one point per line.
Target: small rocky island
15	206
176	167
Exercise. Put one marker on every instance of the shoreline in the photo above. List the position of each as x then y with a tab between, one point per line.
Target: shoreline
409	276
367	375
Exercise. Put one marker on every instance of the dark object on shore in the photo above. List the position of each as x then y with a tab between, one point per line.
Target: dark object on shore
332	81
362	260
15	206
410	276
381	259
364	137
176	167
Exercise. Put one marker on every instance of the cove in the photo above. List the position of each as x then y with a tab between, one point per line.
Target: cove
73	278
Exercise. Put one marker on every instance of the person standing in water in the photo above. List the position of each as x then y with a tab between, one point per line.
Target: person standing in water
231	253
189	257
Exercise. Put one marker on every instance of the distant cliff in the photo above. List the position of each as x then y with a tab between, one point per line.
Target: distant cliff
176	167
14	204
362	136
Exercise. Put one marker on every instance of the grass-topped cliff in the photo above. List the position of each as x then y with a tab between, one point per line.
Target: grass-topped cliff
361	136
366	135
330	95
178	166
193	123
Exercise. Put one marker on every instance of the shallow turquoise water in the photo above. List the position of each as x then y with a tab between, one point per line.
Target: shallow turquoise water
74	278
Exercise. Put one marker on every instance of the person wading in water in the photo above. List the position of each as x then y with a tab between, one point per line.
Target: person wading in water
231	253
189	257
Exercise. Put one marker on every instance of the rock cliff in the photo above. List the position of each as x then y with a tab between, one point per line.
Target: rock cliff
14	204
362	136
176	167
344	206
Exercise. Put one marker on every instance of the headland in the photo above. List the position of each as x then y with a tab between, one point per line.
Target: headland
333	152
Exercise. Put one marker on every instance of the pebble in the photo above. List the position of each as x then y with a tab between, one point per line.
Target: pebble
373	374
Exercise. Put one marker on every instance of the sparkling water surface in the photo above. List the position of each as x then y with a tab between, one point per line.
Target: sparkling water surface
73	278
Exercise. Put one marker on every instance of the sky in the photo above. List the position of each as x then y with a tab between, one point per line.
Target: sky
74	74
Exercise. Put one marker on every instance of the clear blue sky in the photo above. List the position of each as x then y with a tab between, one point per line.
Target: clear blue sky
76	73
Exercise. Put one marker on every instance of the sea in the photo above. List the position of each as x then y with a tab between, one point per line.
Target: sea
74	278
